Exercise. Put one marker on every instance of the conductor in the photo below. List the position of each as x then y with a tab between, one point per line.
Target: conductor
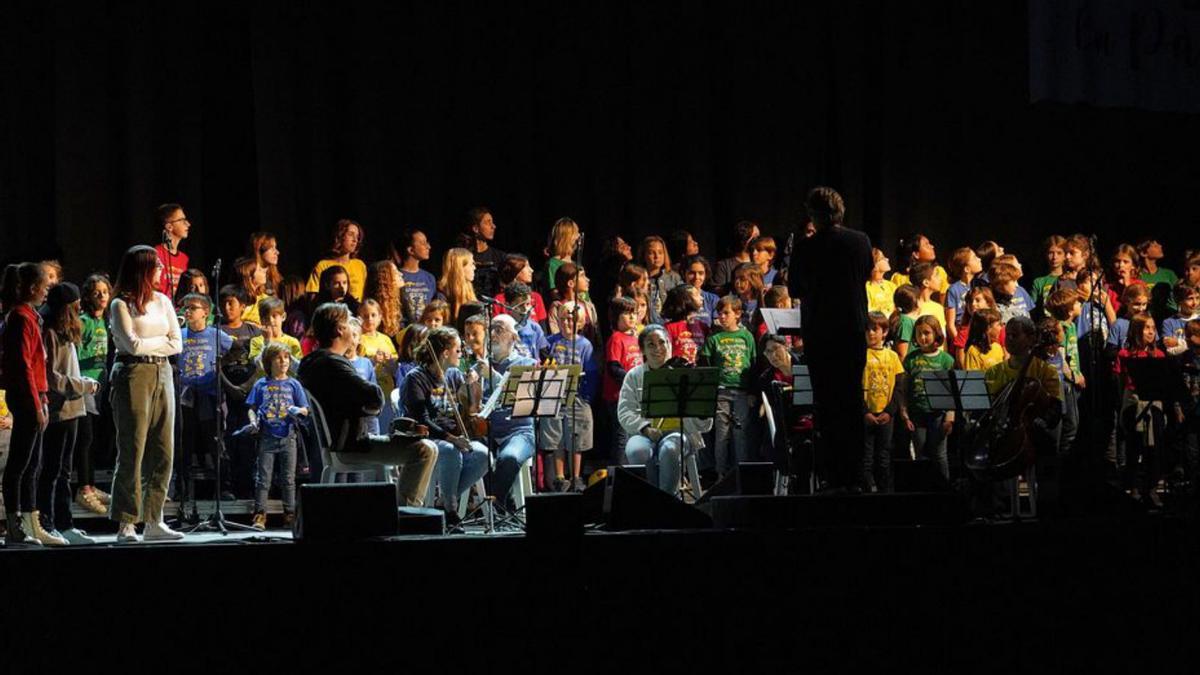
829	274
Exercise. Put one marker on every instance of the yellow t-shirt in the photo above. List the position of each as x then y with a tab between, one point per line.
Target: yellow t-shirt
934	309
879	297
385	375
879	378
3	405
941	280
250	311
1004	372
355	269
258	343
973	359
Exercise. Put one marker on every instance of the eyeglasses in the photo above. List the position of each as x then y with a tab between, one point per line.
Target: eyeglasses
177	220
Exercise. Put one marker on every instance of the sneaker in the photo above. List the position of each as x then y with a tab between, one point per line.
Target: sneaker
88	498
562	485
103	496
77	537
160	532
127	534
32	524
259	522
578	485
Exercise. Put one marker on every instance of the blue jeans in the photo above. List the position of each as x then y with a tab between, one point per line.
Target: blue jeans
271	447
734	436
457	471
515	450
929	440
663	459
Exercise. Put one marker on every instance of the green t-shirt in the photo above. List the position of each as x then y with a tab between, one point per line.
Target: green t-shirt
1071	344
1042	286
904	331
93	347
733	352
916	363
1162	276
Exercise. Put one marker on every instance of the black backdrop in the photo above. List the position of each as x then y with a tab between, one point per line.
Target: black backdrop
631	117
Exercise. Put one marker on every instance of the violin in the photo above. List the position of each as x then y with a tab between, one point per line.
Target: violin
1004	443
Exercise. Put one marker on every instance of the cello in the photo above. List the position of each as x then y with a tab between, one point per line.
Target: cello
1004	443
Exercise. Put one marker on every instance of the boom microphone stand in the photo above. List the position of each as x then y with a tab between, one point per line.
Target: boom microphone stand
216	521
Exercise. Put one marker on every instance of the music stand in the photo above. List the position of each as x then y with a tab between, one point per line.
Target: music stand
680	393
1155	380
538	392
782	321
957	391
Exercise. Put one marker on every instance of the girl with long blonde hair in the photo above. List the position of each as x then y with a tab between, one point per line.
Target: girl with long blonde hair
564	235
456	284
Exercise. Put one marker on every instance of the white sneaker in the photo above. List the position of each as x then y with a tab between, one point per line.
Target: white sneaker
127	534
160	532
76	537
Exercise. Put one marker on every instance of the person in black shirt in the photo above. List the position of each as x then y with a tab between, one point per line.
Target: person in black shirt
477	235
347	401
829	274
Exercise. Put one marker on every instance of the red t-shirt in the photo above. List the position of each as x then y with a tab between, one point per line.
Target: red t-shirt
687	338
622	348
23	358
174	265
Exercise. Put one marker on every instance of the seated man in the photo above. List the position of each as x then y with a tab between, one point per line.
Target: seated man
513	437
348	400
657	443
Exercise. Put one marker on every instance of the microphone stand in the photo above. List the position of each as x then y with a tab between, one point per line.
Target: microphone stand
216	521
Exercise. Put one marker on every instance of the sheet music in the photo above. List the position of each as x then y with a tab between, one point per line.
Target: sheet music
494	400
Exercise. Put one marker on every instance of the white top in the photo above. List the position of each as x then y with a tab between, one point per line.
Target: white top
154	333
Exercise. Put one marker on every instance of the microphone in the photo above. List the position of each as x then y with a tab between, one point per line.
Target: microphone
216	272
492	301
579	242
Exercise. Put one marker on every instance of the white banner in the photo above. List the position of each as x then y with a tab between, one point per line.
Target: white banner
1126	53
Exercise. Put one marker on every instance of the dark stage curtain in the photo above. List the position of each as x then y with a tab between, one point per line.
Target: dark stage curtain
630	117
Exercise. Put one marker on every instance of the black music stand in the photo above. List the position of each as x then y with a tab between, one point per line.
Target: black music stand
1155	380
538	392
680	393
957	391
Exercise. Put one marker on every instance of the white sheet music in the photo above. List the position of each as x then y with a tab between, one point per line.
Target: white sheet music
494	400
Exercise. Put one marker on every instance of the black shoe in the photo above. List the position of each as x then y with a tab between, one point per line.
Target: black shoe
452	519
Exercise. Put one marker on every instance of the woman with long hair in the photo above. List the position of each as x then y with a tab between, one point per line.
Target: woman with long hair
264	249
348	237
24	372
145	332
252	279
457	282
430	395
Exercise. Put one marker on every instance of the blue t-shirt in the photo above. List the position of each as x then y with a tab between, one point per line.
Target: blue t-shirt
1026	298
1119	335
1173	327
955	296
582	353
419	288
197	362
709	308
532	338
271	400
365	368
769	277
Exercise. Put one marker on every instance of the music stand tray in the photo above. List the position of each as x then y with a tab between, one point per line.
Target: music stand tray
540	391
782	321
956	390
680	393
1157	380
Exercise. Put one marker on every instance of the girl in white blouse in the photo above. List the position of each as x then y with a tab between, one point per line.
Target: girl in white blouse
145	332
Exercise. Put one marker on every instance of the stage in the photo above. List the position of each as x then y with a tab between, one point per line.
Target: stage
1109	593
